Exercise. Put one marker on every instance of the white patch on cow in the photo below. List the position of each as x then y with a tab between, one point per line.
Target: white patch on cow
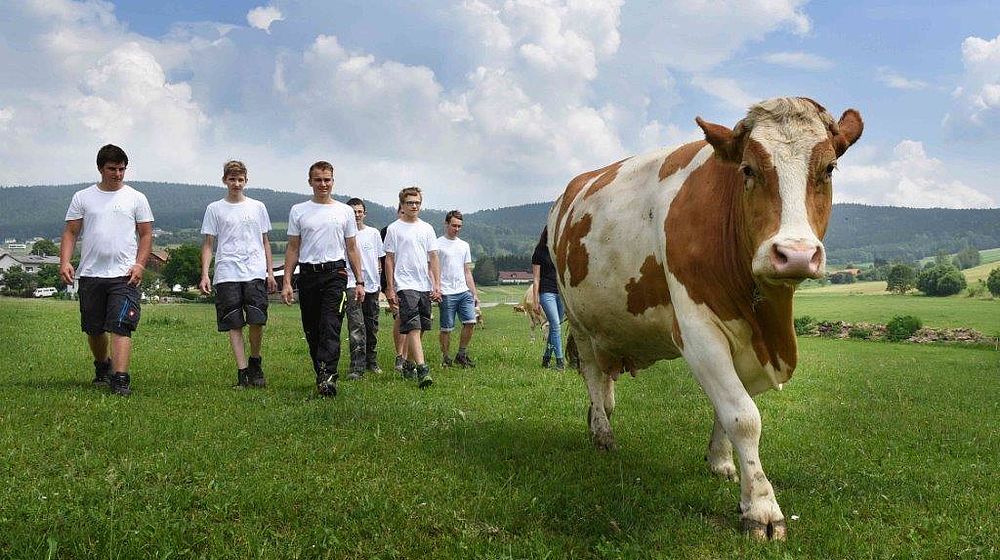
790	144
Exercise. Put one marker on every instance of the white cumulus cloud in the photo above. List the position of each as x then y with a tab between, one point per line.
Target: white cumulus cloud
798	60
262	17
896	80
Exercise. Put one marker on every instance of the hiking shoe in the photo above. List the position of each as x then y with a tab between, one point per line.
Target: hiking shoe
400	364
355	375
326	386
102	373
560	364
255	377
375	369
423	376
446	362
119	383
242	378
465	361
409	370
546	359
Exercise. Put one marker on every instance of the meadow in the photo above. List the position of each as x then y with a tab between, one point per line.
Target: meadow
876	450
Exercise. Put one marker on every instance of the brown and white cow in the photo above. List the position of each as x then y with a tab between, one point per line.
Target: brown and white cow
695	252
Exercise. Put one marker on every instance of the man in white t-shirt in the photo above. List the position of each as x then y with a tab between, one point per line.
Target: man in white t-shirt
458	290
244	274
413	279
362	317
321	241
115	224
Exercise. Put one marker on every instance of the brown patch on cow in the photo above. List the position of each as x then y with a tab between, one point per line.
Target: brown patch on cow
576	185
819	188
605	179
680	158
572	258
650	290
711	227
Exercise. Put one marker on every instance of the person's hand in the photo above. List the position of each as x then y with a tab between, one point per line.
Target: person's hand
390	296
272	284
205	285
538	308
359	293
436	295
286	293
135	274
66	272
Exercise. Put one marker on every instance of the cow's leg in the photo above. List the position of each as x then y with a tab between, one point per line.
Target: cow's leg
599	387
720	453
712	365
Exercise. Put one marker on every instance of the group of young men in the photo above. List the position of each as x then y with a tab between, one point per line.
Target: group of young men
340	273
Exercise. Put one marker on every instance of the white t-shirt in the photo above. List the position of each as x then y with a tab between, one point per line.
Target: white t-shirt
238	229
411	244
108	238
370	246
322	229
454	254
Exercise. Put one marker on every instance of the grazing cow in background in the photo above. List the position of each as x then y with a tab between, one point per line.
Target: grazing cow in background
695	252
528	303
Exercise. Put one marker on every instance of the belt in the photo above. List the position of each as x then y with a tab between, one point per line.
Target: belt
323	267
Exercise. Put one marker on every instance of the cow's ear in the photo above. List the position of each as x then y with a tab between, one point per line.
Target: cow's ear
728	144
848	131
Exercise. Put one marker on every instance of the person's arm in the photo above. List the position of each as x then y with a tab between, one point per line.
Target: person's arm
291	261
536	273
66	247
272	284
354	257
206	261
472	283
145	231
390	280
434	263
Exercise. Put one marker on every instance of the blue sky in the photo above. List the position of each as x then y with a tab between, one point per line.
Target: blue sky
489	103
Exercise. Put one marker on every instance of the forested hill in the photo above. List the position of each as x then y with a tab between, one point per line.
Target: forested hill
856	234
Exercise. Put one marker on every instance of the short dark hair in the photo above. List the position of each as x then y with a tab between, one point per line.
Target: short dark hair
320	166
357	202
453	214
111	154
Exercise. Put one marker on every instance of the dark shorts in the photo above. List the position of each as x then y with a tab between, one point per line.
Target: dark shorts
414	311
240	303
108	305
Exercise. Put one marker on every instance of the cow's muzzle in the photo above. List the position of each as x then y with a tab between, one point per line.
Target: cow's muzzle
798	260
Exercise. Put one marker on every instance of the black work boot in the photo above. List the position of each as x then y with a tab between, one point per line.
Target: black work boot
119	383
256	375
326	381
102	373
242	378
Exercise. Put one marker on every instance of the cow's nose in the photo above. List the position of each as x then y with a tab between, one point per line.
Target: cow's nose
796	260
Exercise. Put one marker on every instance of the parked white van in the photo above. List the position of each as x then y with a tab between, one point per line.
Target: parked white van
45	292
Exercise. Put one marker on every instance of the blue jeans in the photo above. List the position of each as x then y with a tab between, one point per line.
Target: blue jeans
552	306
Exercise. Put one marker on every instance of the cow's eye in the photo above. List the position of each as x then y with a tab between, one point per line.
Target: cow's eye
830	168
748	175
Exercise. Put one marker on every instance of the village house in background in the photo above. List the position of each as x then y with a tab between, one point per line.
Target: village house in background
514	277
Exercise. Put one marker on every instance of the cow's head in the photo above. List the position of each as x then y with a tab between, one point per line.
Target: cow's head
785	151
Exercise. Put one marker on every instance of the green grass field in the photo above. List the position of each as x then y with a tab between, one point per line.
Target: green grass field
876	450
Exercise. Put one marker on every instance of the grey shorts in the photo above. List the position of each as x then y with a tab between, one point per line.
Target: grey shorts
414	311
240	303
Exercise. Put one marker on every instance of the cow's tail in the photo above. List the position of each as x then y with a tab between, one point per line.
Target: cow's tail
572	353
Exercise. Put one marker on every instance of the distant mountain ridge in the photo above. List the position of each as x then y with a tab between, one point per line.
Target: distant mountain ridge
857	233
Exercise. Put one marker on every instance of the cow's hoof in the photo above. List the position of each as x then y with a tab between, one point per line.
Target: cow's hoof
724	469
604	442
759	531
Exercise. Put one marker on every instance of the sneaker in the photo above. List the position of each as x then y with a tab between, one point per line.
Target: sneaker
256	374
409	370
465	361
119	383
546	359
400	364
446	362
560	364
423	376
326	381
355	375
242	378
102	373
375	369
